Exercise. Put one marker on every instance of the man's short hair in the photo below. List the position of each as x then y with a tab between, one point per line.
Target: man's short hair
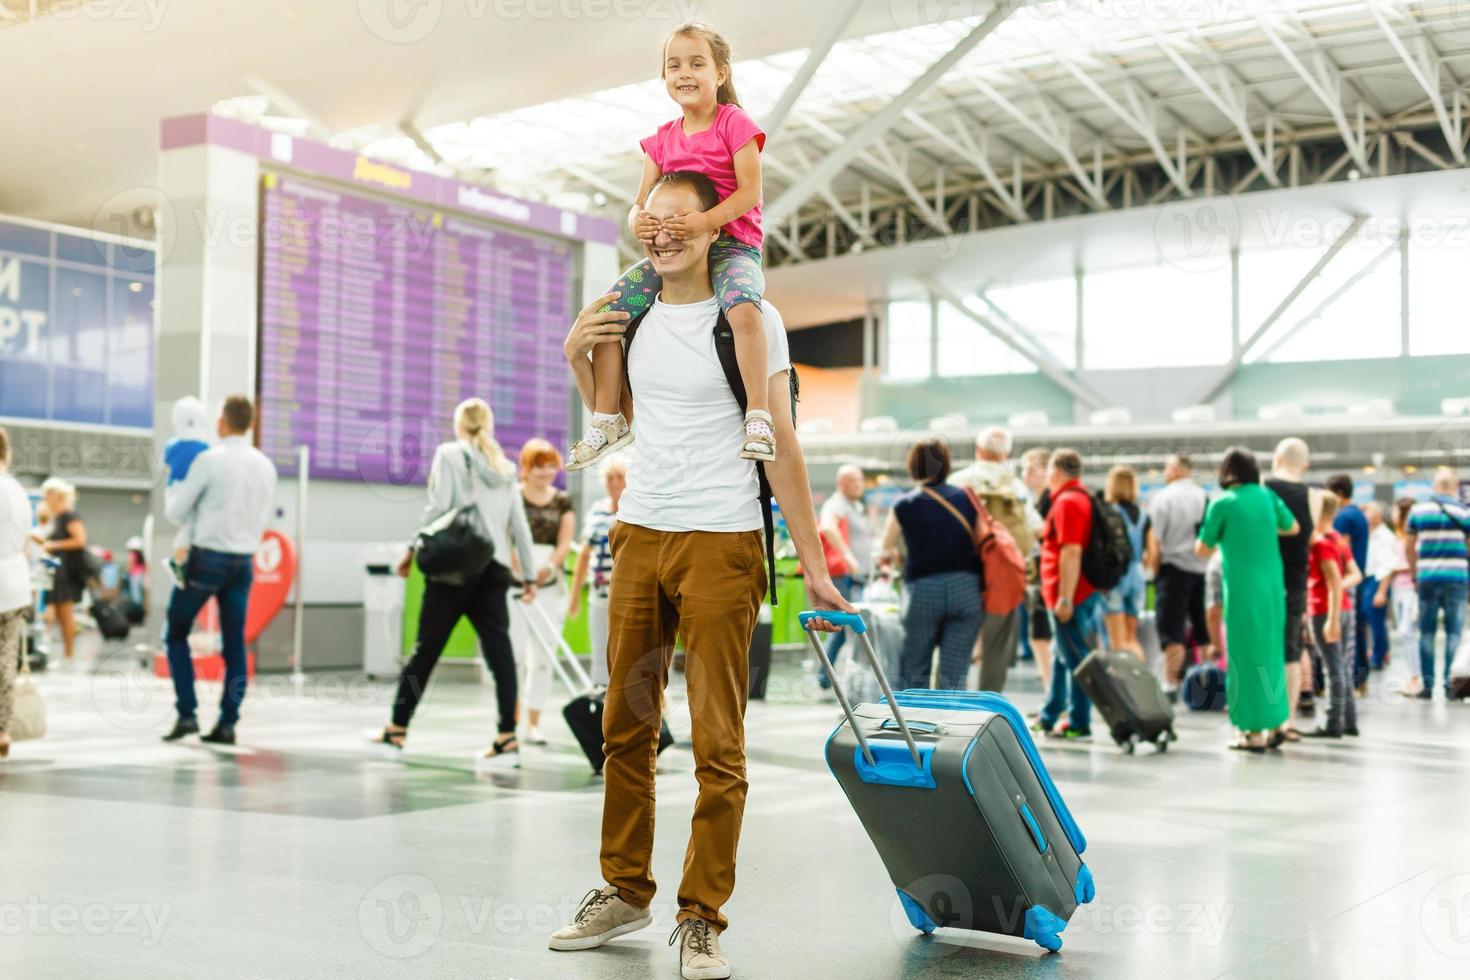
1341	484
238	413
1038	457
1446	481
995	439
1067	462
929	460
1293	452
1183	461
701	185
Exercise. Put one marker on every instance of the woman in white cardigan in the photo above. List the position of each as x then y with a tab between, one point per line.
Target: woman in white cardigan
15	584
472	469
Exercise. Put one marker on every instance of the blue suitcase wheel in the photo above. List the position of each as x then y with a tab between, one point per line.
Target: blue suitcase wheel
1044	928
1085	890
918	918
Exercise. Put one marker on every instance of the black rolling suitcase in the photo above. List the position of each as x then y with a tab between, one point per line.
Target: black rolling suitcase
1128	697
583	713
956	799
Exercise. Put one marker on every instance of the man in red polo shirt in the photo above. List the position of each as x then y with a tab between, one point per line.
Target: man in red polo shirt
1075	607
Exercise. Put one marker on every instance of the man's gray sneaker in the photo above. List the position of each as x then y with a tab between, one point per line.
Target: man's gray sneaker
700	956
603	916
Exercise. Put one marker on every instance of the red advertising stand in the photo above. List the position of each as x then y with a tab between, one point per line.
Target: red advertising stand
275	570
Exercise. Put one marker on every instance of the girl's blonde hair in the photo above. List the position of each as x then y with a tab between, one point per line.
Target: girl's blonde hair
1122	485
473	415
57	485
718	47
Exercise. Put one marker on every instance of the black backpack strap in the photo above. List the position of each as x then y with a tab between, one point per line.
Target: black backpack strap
730	364
629	333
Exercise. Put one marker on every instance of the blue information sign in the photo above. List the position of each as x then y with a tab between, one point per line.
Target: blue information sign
76	328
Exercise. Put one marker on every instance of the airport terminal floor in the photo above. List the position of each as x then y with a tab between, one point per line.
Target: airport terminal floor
304	852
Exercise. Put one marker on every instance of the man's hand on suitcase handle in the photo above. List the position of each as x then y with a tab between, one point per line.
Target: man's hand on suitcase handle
527	593
821	595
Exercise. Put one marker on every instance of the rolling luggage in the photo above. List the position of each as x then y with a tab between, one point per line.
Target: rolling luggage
1128	697
959	806
111	621
583	713
1204	687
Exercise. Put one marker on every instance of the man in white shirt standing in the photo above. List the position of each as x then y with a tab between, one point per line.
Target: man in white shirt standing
690	562
843	524
1008	501
226	502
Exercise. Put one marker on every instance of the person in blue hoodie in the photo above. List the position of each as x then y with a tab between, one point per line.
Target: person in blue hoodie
179	454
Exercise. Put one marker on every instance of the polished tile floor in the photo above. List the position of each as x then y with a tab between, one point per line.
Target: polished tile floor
307	853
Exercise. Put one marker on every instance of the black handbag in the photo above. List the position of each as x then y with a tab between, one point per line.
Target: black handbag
457	547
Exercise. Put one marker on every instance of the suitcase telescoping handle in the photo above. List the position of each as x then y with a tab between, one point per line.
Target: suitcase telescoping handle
577	682
854	622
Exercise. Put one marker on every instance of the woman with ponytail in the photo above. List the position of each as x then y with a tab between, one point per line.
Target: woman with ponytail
472	469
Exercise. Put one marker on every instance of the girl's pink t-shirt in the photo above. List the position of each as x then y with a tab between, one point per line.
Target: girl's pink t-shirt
712	153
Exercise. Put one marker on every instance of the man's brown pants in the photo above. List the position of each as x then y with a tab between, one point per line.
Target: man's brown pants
706	587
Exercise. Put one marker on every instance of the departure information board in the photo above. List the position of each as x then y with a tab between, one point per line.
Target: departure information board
377	318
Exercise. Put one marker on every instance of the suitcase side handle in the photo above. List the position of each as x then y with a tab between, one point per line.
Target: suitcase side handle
861	630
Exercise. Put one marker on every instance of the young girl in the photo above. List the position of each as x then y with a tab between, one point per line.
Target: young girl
715	137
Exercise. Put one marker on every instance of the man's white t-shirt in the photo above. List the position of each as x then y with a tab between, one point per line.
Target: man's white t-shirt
685	472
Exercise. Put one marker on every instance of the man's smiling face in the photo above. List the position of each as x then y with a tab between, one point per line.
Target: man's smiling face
672	258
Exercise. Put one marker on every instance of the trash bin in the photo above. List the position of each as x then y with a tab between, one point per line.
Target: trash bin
382	611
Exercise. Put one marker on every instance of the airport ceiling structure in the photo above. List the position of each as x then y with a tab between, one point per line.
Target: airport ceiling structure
1013	113
891	121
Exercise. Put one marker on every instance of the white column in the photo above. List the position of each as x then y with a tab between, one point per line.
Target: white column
208	264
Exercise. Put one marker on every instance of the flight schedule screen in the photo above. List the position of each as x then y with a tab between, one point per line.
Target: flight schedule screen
377	318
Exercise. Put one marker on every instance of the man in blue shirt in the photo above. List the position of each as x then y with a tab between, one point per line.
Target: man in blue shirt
1352	524
1440	562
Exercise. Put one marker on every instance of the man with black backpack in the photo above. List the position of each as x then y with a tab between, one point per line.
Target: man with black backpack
1084	551
691	562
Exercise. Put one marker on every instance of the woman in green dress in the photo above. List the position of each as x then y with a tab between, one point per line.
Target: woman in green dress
1244	522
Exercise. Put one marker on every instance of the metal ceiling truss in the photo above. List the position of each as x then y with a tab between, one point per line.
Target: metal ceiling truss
1291	98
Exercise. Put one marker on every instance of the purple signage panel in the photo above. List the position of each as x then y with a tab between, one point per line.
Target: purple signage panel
378	318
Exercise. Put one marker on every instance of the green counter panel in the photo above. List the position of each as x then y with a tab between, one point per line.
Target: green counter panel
464	645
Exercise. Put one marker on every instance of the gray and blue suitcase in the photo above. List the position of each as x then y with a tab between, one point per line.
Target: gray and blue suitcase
960	807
